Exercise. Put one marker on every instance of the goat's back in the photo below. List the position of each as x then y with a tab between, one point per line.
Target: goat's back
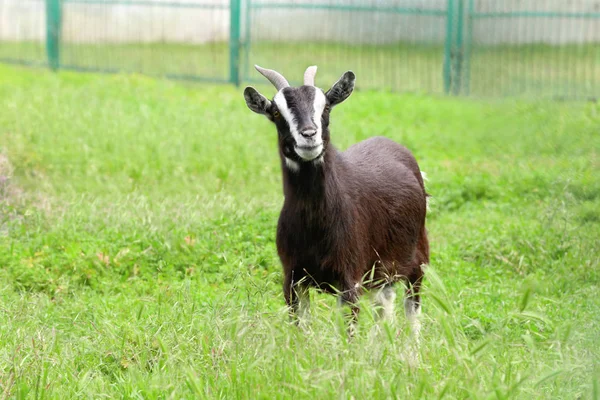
385	182
382	155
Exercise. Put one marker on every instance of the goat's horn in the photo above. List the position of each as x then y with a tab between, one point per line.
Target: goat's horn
274	77
309	75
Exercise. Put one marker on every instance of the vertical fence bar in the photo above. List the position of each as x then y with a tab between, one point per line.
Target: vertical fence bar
53	28
459	49
247	38
448	46
234	41
468	48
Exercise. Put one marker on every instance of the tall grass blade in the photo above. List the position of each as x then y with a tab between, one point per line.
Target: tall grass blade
549	376
525	299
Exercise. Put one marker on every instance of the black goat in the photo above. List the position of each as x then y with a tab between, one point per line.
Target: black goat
346	215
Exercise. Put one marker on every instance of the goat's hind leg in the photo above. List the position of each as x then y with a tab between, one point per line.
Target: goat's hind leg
412	309
412	305
412	301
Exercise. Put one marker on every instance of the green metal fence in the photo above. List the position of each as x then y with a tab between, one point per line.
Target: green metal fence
542	48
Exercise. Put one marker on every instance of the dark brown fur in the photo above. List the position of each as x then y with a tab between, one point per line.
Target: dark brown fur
358	212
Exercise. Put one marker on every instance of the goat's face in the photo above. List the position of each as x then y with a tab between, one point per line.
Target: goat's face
301	115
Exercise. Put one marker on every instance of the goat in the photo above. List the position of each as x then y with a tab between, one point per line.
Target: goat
346	215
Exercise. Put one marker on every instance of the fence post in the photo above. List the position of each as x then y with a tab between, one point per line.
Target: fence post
234	41
449	46
459	49
468	45
53	30
247	38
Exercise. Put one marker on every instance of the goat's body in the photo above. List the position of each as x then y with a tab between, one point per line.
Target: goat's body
350	219
357	215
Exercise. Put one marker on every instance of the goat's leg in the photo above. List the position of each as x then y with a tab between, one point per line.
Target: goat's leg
297	298
385	302
349	296
412	303
412	309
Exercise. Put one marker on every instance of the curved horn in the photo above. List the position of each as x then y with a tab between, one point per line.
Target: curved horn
274	77
309	75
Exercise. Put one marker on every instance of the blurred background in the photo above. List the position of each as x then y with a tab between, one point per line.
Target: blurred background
542	48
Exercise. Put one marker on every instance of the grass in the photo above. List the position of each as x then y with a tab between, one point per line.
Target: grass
137	254
568	71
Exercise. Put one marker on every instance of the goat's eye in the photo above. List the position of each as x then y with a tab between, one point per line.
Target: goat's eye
275	114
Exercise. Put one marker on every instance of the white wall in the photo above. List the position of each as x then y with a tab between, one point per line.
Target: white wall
22	20
25	20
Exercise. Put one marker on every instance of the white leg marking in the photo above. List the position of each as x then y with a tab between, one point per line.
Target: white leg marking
412	310
292	165
385	301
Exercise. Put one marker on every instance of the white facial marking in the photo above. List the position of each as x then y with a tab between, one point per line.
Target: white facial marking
292	165
308	149
319	105
285	112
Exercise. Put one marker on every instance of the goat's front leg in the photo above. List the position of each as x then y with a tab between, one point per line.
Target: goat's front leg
297	298
385	302
350	292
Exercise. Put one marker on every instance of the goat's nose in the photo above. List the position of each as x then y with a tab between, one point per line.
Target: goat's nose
308	132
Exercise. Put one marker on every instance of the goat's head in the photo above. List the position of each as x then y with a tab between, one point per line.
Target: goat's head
301	114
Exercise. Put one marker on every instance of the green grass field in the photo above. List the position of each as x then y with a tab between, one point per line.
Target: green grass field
137	254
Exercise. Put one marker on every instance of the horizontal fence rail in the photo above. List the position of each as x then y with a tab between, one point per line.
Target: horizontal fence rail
535	14
167	4
542	48
350	8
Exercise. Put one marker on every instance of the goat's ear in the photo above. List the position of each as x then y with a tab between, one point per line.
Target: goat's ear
342	89
256	101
